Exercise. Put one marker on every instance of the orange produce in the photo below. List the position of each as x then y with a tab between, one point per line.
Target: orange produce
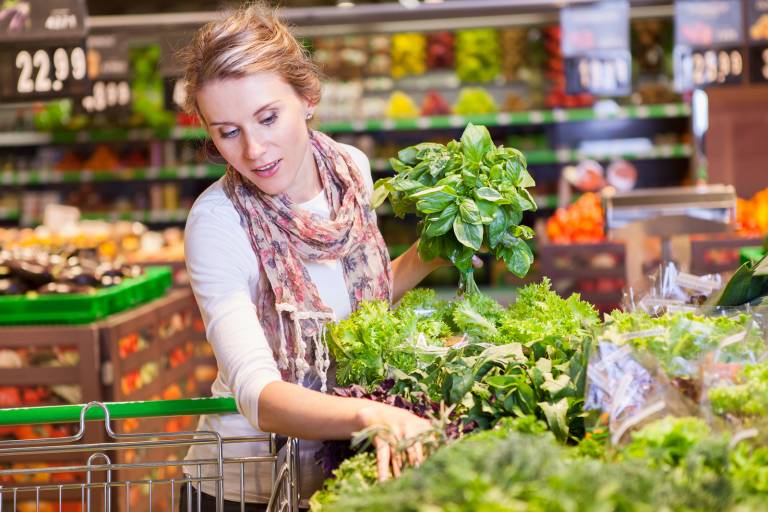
752	214
581	222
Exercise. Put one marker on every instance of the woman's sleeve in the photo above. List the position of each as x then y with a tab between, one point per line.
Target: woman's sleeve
223	272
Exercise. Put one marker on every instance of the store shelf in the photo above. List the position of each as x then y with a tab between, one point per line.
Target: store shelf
565	156
180	172
531	117
8	214
146	216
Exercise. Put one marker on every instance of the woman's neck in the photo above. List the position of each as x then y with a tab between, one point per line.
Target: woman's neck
309	179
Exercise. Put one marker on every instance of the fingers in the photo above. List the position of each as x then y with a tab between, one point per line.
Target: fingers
397	462
382	459
477	262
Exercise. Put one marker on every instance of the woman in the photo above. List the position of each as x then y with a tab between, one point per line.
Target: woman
283	243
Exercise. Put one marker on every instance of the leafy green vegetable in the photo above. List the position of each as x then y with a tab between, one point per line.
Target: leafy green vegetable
374	338
354	475
748	398
678	340
469	194
502	470
667	441
748	283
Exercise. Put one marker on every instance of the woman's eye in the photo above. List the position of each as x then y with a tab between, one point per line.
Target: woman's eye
269	120
229	134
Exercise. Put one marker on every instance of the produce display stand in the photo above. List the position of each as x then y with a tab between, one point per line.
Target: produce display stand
98	478
151	352
596	270
719	255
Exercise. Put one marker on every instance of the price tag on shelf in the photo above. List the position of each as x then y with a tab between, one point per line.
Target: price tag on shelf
42	49
35	20
607	74
708	44
595	47
757	22
43	71
110	96
758	64
704	68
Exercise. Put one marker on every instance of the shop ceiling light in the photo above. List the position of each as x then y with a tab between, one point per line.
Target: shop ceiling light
345	3
409	4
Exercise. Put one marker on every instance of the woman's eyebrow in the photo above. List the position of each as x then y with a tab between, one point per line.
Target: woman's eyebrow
260	109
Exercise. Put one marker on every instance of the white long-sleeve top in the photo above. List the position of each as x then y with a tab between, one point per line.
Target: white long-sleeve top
223	271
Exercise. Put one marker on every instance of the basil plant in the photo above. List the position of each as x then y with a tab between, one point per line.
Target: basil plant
470	195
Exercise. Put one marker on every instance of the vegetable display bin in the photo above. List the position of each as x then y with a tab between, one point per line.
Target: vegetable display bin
85	308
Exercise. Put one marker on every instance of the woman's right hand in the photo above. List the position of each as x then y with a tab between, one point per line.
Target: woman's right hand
397	424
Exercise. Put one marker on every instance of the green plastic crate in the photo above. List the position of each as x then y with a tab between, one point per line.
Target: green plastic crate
85	308
753	254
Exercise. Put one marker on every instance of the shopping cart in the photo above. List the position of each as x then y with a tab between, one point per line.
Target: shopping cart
135	471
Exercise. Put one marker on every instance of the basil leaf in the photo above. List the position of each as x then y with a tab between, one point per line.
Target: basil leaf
516	255
441	224
487	210
514	216
380	192
469	211
513	170
469	235
488	194
497	228
461	256
450	181
528	198
405	185
408	155
434	203
475	142
429	248
526	180
398	166
524	232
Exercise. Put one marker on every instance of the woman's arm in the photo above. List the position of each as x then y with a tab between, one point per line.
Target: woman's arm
292	410
408	270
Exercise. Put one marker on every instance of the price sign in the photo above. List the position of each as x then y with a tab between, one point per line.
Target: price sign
757	22
708	40
43	71
599	74
111	95
25	21
704	68
42	49
595	46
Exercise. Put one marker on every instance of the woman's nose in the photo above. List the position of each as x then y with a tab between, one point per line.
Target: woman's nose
253	148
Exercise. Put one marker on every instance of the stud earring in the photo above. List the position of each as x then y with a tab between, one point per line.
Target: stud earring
309	116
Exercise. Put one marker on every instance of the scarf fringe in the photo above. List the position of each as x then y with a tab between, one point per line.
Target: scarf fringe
322	361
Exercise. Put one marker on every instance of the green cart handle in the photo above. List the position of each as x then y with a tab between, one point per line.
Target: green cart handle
117	410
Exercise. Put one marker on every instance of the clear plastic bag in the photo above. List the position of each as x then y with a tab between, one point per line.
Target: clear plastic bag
626	391
671	290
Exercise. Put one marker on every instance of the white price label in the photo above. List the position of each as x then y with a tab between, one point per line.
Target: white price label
45	71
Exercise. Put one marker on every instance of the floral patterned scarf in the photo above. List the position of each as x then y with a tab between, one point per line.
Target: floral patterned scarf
289	307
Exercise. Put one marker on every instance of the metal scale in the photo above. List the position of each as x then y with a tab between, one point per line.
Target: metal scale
667	213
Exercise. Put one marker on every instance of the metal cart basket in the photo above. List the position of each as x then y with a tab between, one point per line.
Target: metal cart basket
107	470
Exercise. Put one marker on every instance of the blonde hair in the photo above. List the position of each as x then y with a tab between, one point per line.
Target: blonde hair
247	40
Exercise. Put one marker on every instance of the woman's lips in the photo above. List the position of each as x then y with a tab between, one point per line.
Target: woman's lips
269	170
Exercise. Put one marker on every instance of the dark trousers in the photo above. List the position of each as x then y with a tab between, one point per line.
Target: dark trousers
208	502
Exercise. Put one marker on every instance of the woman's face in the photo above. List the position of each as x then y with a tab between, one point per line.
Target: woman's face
258	124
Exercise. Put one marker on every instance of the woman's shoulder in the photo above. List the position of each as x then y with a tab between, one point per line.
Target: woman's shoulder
213	216
362	163
213	208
